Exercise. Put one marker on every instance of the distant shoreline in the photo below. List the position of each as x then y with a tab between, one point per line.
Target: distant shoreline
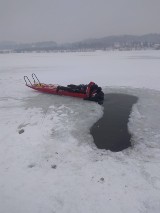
121	42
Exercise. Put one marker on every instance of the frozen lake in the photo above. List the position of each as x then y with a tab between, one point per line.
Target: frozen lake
54	165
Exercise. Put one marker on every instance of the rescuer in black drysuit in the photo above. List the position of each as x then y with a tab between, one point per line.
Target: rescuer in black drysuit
92	90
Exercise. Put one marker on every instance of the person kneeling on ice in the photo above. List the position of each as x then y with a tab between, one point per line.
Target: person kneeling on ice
94	93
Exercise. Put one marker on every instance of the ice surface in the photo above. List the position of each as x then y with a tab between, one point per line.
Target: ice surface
54	166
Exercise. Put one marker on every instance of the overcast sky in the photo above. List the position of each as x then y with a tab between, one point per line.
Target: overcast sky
73	20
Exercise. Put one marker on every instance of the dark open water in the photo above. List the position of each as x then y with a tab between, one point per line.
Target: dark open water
111	131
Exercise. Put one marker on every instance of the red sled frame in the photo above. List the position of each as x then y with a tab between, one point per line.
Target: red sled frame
50	88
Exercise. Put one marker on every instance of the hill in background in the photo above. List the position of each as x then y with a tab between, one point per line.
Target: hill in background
123	42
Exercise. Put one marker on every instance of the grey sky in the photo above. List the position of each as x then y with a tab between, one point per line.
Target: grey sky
73	20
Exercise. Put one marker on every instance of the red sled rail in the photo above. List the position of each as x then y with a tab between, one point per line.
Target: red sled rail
51	88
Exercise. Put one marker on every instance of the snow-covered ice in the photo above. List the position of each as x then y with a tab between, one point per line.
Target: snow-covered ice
54	166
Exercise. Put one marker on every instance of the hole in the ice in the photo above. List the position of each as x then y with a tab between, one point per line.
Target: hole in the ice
111	131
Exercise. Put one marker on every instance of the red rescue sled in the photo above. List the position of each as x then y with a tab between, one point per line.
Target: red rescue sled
51	88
